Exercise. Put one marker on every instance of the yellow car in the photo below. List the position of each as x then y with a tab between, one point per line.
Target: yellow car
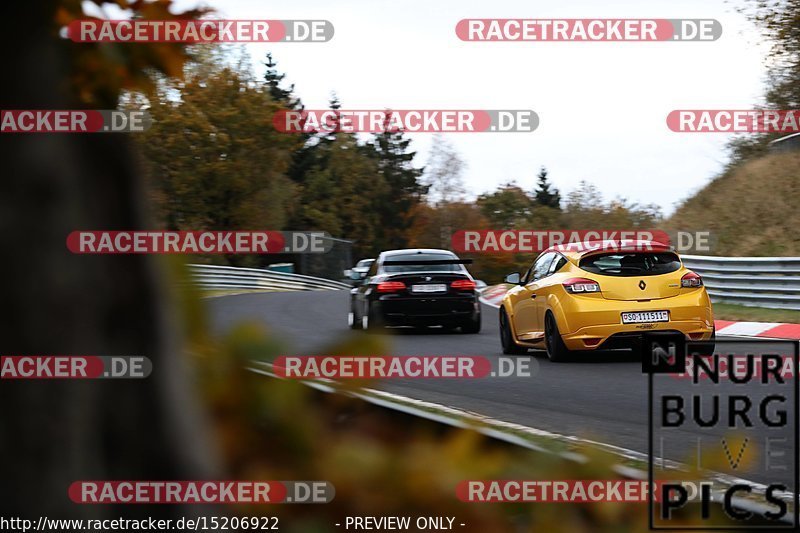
602	295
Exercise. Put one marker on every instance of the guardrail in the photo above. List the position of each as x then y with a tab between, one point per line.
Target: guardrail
789	142
216	277
751	281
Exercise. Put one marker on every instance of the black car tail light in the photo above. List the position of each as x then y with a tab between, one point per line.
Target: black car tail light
464	285
391	286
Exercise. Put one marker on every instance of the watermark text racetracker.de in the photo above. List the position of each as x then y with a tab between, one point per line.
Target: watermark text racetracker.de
74	367
199	31
73	121
552	491
198	242
403	367
534	241
200	492
406	120
588	30
205	492
734	121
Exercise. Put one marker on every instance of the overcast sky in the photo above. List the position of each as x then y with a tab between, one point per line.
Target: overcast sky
602	105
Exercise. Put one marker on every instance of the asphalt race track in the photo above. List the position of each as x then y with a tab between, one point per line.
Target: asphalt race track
602	397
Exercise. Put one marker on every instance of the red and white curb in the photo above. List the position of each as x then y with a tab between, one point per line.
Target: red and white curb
493	295
774	330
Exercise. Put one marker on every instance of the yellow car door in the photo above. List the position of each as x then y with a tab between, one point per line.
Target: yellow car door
525	323
544	287
528	325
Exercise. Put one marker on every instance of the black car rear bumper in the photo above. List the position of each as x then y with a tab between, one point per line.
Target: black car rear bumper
430	310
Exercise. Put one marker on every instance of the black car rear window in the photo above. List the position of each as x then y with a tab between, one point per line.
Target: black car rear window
421	268
631	264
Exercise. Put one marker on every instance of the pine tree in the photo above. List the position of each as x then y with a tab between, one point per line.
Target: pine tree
405	189
546	195
304	156
334	103
273	79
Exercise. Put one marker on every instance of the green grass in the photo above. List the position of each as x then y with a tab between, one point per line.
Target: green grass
750	209
755	314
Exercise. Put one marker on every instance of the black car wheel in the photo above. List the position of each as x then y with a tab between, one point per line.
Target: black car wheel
510	346
352	320
371	320
557	351
473	325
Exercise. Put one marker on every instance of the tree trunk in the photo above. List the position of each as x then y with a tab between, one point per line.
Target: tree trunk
54	432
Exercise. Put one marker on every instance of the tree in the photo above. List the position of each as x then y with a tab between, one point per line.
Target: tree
545	194
213	158
390	149
780	24
587	209
443	173
339	196
284	97
64	430
508	207
587	197
311	155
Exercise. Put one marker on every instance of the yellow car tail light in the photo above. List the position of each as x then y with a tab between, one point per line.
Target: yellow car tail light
581	285
691	279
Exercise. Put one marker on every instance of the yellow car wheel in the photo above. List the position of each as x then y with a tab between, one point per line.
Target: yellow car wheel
557	351
510	346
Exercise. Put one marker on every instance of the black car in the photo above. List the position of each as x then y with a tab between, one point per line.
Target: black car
416	287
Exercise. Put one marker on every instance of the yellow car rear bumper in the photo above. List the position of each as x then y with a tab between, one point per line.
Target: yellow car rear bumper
589	323
594	337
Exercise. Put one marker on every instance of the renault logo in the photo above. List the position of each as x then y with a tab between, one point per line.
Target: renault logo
428	278
642	284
